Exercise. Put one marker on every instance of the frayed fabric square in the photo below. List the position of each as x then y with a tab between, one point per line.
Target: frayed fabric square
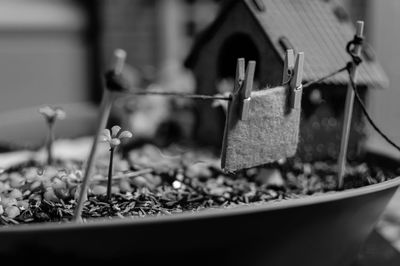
270	133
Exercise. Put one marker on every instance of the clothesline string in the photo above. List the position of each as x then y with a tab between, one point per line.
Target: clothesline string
355	61
306	85
220	97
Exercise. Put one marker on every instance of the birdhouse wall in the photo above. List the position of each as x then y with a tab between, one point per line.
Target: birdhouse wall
322	122
239	35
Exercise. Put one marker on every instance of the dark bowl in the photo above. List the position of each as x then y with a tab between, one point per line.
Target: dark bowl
318	230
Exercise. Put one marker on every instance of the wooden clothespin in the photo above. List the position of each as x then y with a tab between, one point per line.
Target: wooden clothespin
237	108
296	88
240	75
288	67
245	92
242	89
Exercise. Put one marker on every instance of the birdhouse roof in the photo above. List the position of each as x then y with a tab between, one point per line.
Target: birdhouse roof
319	28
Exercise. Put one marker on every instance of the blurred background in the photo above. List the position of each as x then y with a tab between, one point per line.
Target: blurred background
55	51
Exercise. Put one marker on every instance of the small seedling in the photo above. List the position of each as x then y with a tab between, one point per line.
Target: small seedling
105	109
51	114
113	138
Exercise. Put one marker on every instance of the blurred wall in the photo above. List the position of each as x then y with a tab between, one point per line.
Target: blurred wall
43	53
153	32
381	23
132	26
385	37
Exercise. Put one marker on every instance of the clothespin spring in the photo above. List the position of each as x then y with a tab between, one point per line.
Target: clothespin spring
296	82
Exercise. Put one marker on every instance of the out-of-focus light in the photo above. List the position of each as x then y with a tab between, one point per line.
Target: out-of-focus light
176	184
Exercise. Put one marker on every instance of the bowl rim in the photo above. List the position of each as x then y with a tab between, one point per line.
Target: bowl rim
207	213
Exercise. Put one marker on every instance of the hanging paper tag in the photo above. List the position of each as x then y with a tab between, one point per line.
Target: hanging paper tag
270	132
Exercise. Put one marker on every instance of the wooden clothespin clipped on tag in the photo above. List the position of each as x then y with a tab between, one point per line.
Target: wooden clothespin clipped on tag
238	108
241	95
245	92
239	77
296	87
288	67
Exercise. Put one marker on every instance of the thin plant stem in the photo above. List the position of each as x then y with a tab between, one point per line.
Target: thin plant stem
104	114
110	172
49	144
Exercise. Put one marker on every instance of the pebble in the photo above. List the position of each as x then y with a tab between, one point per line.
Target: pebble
16	180
12	211
115	189
50	172
58	184
62	193
121	165
4	187
140	181
46	182
272	177
97	177
180	176
35	185
3	177
23	204
50	195
35	197
217	191
99	190
307	169
154	180
31	174
70	181
273	193
198	170
6	202
15	194
125	186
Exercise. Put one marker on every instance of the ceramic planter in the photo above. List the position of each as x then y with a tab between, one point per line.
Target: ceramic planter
326	230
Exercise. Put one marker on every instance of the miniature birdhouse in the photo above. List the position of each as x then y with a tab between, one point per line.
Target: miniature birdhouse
263	30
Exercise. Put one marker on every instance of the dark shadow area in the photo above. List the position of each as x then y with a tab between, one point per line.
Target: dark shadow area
377	251
239	45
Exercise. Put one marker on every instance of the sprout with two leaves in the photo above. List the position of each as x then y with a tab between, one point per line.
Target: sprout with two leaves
51	114
113	138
